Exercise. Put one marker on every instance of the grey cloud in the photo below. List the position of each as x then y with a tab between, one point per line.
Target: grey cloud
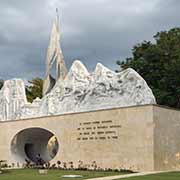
92	31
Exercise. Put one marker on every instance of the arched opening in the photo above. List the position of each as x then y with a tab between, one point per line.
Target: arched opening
29	143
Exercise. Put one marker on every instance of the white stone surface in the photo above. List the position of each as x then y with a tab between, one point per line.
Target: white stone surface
54	55
79	91
12	99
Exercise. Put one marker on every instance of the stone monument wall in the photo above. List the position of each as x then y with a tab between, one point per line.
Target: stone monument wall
166	138
140	138
117	138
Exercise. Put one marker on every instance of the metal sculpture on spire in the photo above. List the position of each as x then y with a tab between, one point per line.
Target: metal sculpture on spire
54	55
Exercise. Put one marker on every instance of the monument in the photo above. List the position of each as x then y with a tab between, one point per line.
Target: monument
101	116
75	90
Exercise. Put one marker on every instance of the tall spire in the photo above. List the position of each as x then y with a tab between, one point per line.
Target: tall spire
61	70
54	55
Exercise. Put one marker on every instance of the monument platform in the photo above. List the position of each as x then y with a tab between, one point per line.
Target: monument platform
138	138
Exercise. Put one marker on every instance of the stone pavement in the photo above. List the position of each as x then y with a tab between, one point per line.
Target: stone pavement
127	175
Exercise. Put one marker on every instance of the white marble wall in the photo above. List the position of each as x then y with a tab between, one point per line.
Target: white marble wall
79	91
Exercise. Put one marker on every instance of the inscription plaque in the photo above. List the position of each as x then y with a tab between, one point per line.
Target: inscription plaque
98	130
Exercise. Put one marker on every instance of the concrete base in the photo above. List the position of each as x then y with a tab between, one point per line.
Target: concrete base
140	138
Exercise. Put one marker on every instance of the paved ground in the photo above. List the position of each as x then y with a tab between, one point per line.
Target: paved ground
126	176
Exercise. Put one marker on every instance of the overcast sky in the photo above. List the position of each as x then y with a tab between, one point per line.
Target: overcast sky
92	31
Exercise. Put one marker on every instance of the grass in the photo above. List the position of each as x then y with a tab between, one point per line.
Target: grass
32	174
160	176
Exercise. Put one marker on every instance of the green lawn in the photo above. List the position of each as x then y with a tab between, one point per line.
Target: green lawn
161	176
32	174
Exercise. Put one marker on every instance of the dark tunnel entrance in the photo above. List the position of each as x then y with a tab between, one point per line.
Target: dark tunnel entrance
29	143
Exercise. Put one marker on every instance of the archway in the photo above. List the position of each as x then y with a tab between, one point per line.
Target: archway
28	143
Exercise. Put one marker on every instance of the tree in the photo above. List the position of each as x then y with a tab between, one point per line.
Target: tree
159	64
34	90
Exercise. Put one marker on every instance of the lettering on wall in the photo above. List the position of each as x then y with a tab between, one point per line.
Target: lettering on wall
97	130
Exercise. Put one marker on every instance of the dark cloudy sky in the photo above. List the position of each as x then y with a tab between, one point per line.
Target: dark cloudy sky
92	31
